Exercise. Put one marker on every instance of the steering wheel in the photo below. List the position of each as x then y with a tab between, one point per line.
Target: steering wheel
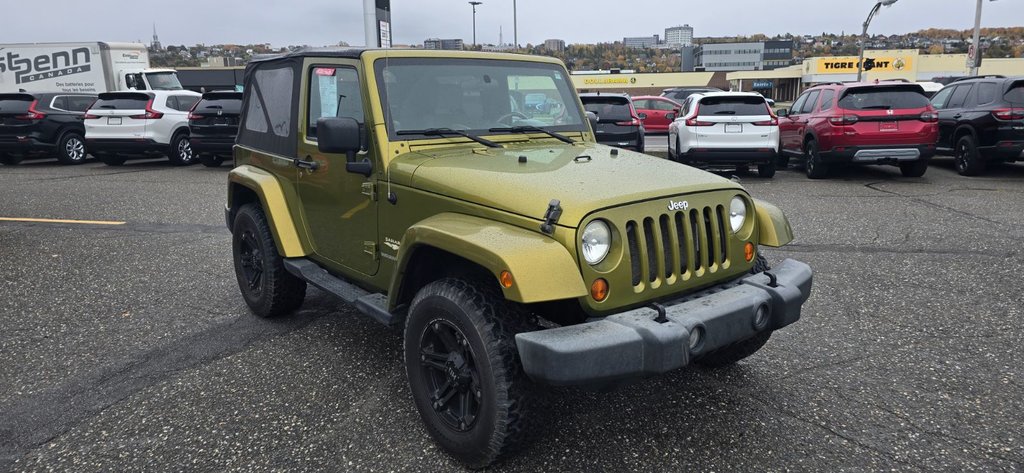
509	116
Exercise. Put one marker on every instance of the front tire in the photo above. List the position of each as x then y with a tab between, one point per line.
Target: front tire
813	165
967	158
71	149
464	370
180	153
915	168
267	287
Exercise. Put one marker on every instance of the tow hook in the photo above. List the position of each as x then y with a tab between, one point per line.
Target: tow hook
660	309
773	281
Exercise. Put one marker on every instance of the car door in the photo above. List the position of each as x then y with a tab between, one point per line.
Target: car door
788	125
660	115
339	207
951	113
939	103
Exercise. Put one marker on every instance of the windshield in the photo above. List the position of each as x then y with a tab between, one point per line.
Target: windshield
163	81
475	95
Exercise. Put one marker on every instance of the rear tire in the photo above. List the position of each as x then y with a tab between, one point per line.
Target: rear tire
71	149
111	159
267	287
766	170
10	160
782	161
180	152
914	169
967	158
813	166
211	161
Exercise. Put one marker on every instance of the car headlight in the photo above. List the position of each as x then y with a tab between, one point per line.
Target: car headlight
596	241
737	213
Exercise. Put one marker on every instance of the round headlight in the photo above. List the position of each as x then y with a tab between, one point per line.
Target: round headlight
737	213
596	241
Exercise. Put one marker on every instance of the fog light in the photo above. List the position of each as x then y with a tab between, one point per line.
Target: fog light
599	290
748	251
696	338
506	279
761	316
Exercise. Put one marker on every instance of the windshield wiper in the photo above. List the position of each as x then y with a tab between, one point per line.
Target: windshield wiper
531	128
449	131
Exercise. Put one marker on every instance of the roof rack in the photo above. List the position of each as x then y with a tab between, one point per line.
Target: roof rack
824	84
988	76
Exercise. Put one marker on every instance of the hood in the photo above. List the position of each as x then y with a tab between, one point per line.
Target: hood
495	178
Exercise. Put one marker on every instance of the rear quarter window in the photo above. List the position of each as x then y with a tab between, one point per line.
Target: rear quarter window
733	106
1016	93
882	99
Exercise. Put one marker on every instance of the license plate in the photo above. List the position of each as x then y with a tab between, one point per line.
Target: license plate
113	120
888	126
733	128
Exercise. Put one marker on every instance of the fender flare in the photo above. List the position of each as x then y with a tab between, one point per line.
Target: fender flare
275	207
542	269
772	225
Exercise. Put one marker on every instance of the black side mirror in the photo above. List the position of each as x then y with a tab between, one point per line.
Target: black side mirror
592	118
343	135
670	116
782	112
642	116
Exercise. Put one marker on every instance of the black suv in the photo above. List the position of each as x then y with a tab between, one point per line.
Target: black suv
213	125
981	121
43	125
618	124
681	93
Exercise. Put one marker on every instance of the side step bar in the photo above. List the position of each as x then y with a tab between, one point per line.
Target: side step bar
374	305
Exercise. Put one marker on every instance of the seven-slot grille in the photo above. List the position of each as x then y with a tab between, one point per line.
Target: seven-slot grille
683	244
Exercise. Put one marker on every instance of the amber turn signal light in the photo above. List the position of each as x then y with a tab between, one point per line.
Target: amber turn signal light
748	251
599	290
505	278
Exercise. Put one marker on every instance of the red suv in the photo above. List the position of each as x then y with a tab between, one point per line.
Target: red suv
860	123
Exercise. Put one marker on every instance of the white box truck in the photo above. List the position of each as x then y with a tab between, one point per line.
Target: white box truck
80	67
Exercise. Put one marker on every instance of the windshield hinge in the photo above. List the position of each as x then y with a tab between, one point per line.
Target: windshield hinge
370	190
551	216
370	248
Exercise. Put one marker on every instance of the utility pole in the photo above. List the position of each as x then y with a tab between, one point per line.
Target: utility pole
976	43
474	4
370	23
515	26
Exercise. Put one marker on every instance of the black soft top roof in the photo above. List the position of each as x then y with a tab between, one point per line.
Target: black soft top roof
351	53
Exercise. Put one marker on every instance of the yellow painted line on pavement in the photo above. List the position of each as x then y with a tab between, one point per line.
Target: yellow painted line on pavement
55	220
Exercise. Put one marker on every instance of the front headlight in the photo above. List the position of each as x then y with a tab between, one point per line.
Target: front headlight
596	241
737	213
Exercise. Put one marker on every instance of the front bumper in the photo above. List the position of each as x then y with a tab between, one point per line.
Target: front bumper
632	344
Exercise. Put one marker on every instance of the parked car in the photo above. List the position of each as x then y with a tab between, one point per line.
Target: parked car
679	94
860	123
981	121
127	125
213	126
43	125
726	128
617	121
656	113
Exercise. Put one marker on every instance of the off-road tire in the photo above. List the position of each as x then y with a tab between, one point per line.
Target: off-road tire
487	324
10	160
71	149
760	265
111	159
211	160
276	292
813	167
914	168
967	157
766	170
730	354
180	152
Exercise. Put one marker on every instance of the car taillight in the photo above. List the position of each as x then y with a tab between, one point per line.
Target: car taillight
634	122
773	121
150	113
32	113
1009	114
195	116
929	117
844	120
89	116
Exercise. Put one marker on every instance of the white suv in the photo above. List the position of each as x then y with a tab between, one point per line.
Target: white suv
125	125
726	129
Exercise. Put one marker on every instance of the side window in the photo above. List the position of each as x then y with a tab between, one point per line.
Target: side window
986	92
134	81
333	92
60	103
80	103
172	103
940	98
959	96
663	105
795	109
812	99
642	104
827	98
186	102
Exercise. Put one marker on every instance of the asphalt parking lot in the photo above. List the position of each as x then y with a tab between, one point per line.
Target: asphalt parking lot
128	347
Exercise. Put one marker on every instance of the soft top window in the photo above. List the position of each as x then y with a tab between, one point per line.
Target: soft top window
270	102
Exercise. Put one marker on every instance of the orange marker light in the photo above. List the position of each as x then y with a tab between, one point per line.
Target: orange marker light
505	279
748	251
599	290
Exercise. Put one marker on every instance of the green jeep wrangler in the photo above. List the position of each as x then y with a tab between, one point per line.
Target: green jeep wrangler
462	197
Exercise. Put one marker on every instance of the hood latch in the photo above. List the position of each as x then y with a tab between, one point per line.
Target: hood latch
551	216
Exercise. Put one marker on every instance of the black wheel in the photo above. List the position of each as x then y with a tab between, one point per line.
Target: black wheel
914	168
180	153
210	160
111	159
268	288
766	170
9	159
730	354
464	370
968	160
71	149
813	166
782	161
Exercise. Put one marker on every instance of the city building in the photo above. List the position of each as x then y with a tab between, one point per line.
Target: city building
557	45
678	36
751	56
435	43
641	41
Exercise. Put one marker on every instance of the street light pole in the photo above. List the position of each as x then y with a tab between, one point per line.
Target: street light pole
976	43
864	35
515	26
474	4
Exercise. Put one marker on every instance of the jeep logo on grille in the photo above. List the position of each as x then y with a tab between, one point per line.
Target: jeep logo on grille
682	205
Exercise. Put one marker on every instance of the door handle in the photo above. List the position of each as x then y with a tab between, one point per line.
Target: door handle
958	115
308	164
